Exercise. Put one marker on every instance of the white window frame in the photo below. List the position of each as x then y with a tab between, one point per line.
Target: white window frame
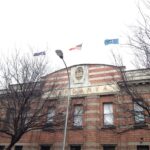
138	113
50	115
108	114
78	116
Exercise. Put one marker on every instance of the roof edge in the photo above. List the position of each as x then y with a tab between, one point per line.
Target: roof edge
85	64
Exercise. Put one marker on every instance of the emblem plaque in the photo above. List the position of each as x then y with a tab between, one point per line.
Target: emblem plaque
79	72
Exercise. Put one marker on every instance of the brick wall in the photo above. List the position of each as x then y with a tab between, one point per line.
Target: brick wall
93	135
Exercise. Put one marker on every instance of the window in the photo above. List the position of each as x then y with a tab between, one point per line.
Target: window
78	112
139	113
2	147
108	147
75	147
18	147
108	114
142	147
45	147
50	115
10	115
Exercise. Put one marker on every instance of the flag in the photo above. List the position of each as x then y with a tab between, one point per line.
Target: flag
111	41
77	47
39	53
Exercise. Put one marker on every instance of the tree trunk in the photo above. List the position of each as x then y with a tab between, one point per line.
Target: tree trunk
12	143
10	146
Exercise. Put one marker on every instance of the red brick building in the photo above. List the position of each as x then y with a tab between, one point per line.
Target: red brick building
97	123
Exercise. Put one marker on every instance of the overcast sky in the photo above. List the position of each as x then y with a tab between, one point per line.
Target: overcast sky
61	24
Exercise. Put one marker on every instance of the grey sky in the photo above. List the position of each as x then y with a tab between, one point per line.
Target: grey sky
61	24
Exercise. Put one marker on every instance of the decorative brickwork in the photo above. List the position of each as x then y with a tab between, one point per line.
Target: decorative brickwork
95	87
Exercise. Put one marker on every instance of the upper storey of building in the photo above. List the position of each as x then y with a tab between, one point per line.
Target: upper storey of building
87	79
85	75
92	79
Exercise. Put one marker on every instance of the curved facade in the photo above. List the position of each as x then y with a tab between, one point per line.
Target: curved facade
95	122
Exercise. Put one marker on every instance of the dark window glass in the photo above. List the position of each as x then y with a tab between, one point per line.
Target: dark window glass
75	147
18	147
45	147
142	147
2	147
108	147
10	115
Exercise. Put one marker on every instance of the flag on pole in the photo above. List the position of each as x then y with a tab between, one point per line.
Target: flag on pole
39	53
111	41
77	47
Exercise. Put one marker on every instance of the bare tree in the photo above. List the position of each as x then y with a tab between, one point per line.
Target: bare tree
22	107
132	100
140	39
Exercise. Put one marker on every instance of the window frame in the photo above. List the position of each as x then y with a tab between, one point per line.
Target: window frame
139	117
77	116
2	147
139	146
109	146
18	146
45	145
75	145
105	114
50	116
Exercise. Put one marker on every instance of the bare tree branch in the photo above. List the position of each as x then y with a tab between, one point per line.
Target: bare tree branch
22	106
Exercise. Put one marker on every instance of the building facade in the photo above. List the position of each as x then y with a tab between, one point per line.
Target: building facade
98	121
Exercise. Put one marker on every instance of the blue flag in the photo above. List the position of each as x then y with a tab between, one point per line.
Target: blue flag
111	41
39	53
